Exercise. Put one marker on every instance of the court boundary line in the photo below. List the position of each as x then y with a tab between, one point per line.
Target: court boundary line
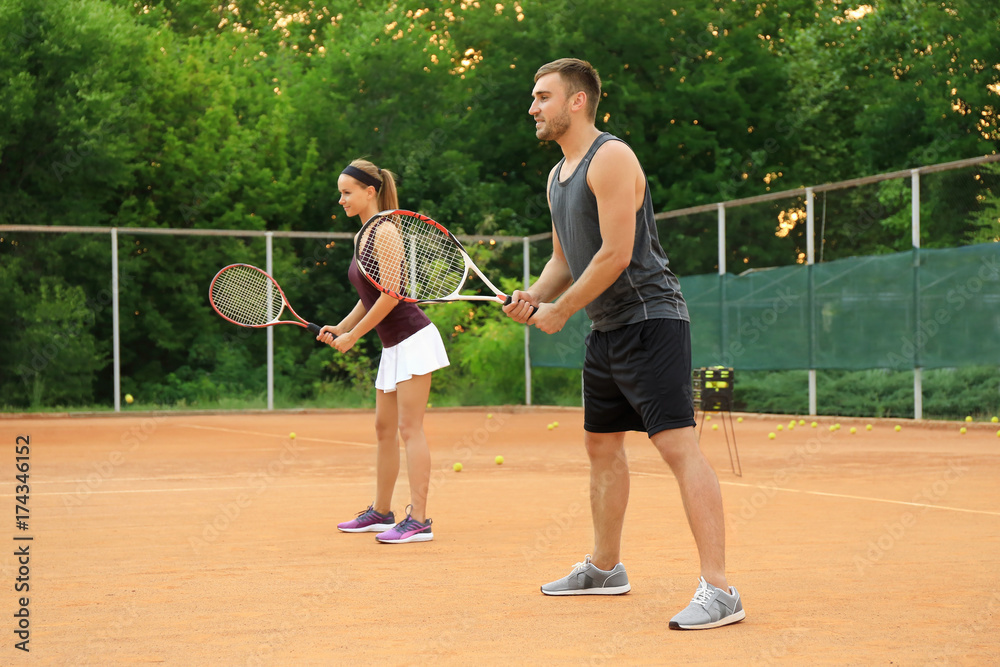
278	435
836	495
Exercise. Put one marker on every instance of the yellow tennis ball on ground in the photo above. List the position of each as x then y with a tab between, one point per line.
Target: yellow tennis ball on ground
489	415
708	418
780	427
292	435
739	420
814	424
129	399
854	430
802	422
498	460
968	418
836	426
868	427
551	426
457	467
962	430
898	428
715	427
771	436
832	429
995	420
555	423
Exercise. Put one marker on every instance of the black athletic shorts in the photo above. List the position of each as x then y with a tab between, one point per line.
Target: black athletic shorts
638	378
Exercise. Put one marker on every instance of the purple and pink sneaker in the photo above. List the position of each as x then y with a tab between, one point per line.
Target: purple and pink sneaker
407	530
368	521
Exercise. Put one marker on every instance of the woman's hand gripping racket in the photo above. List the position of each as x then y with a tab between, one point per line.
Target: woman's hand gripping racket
249	297
413	258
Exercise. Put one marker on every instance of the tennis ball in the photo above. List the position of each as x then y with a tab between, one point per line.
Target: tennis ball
739	420
962	430
498	460
833	428
129	399
292	435
551	426
555	423
814	424
715	427
771	436
708	418
802	422
995	420
898	428
836	427
868	427
854	430
457	467
780	427
489	415
968	418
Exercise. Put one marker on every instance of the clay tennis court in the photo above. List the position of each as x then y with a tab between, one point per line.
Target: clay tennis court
194	539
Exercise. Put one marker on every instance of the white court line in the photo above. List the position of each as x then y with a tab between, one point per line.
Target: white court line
275	435
173	490
841	495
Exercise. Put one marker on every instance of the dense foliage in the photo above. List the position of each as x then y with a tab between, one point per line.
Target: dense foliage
240	115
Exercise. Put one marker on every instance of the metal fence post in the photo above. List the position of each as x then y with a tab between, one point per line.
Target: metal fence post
268	238
918	380
115	335
526	245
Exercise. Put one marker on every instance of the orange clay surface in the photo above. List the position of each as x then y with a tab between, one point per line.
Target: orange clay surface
202	539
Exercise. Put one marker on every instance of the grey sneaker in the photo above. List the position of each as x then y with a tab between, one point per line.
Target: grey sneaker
586	579
711	607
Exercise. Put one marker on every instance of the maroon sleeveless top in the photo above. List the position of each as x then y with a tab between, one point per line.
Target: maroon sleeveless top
404	320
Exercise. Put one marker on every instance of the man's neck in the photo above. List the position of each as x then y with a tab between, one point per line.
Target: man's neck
577	141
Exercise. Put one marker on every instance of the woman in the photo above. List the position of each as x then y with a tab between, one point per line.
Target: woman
412	350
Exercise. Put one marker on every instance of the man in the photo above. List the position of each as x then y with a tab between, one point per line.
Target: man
607	258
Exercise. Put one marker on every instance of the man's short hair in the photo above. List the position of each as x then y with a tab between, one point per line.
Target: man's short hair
579	75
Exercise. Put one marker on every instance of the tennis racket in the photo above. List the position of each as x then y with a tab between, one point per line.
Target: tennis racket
413	258
250	297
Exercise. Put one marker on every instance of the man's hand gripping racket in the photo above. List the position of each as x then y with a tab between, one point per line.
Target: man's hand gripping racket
413	258
250	297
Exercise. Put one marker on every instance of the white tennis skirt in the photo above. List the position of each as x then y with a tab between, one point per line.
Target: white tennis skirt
420	354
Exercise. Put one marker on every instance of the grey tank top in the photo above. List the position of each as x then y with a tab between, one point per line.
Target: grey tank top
647	289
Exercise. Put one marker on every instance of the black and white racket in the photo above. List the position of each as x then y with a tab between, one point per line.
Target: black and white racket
250	297
413	258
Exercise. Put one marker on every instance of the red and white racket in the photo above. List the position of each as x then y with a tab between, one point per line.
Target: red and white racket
413	258
250	297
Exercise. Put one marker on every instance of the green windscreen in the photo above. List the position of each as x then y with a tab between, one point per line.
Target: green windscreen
926	308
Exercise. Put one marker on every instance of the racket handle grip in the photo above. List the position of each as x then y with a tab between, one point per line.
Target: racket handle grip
509	299
315	328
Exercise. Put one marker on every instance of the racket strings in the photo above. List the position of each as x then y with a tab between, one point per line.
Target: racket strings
247	296
431	264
